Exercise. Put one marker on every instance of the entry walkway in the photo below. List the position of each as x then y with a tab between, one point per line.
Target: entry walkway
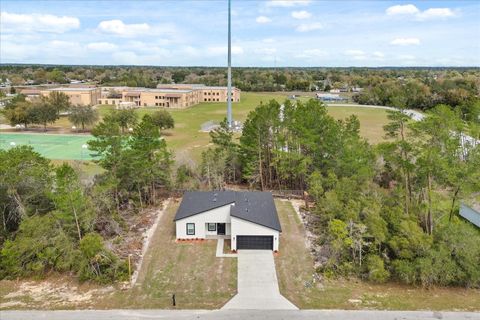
257	283
219	253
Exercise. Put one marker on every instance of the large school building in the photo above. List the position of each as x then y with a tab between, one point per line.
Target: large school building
166	95
77	96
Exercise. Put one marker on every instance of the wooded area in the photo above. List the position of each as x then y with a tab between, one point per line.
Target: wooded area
418	88
51	222
382	212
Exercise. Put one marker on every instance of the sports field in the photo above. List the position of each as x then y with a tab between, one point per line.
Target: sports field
53	146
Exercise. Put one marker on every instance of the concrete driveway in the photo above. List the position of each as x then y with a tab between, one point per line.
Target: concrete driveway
257	283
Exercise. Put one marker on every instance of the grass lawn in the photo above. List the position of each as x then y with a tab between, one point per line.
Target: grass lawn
188	269
371	120
187	142
295	269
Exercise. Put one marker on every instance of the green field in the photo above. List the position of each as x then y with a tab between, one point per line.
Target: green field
186	140
53	146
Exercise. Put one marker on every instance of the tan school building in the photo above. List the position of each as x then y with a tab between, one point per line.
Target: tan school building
77	96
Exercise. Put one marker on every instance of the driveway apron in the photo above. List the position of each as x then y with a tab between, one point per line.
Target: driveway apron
257	283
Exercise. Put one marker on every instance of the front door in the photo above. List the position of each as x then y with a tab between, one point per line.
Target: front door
221	228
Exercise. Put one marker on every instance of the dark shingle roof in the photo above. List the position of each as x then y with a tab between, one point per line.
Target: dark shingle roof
256	207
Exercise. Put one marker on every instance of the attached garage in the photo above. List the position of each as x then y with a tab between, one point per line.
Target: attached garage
255	242
249	218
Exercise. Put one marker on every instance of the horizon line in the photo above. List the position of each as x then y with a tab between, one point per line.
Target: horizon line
207	66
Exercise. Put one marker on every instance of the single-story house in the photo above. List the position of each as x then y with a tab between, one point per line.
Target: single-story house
249	219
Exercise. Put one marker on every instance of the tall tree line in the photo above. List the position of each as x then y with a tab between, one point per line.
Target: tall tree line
52	222
382	212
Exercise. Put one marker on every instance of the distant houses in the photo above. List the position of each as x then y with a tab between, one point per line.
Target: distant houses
329	97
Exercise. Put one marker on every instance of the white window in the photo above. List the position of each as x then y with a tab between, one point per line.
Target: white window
190	229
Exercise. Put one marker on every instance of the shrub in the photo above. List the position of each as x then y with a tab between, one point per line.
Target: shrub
376	269
40	246
404	270
98	263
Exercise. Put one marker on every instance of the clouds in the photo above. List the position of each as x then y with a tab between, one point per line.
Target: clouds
306	27
410	10
263	19
407	9
102	46
287	3
12	22
312	54
117	27
300	15
356	54
293	33
222	50
405	41
436	13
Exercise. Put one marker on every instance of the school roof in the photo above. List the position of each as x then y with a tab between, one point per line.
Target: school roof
72	89
256	207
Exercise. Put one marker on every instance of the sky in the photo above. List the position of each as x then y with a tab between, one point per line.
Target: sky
303	33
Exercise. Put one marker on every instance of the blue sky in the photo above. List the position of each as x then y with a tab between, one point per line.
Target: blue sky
264	33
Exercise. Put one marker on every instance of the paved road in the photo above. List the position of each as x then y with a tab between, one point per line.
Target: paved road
257	283
235	315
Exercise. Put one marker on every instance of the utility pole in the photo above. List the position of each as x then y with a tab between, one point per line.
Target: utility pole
229	72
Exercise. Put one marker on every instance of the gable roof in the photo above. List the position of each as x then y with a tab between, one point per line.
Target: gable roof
256	207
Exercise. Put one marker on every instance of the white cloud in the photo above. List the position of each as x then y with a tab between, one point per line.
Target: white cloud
12	22
408	57
126	57
356	54
402	9
102	46
378	54
268	40
411	10
301	14
436	13
287	3
305	27
312	53
266	51
119	28
217	51
405	41
10	51
263	19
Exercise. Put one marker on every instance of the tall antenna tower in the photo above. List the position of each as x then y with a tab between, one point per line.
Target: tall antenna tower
229	72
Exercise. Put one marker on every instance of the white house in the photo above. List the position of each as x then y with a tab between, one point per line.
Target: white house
249	219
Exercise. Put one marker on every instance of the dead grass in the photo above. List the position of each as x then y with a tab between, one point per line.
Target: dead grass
295	274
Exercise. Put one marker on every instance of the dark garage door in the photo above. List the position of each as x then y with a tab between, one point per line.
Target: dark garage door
255	242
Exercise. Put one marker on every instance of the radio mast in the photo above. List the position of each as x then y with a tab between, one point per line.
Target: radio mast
229	72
